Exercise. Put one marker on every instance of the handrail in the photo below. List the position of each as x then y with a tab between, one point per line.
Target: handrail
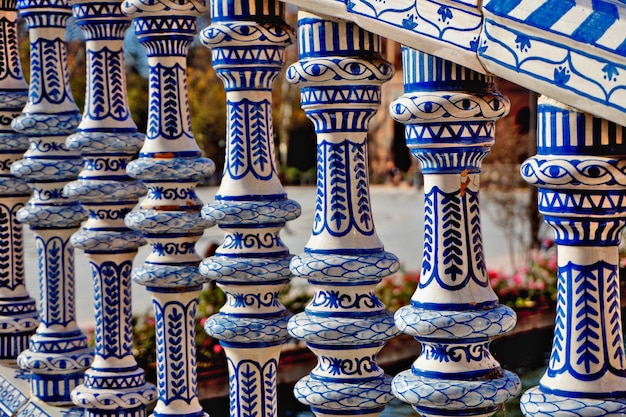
564	49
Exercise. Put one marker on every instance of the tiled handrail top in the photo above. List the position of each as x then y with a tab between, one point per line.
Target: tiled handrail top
563	49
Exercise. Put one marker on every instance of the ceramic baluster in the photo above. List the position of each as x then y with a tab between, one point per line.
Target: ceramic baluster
108	139
58	352
340	72
170	164
580	172
450	114
251	266
18	312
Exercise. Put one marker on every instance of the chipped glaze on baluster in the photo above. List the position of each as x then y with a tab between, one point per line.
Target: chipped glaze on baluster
345	324
450	115
18	311
248	39
58	352
170	164
580	172
107	138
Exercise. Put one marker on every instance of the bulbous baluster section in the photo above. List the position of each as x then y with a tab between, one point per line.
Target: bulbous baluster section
450	115
108	139
580	171
345	324
248	39
18	312
170	164
58	352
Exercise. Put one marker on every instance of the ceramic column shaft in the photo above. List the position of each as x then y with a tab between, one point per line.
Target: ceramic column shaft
170	164
340	72
248	39
58	352
108	139
579	170
450	115
18	312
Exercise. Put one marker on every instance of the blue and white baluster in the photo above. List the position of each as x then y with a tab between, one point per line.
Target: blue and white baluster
450	115
170	164
248	39
345	324
108	139
18	312
58	354
580	170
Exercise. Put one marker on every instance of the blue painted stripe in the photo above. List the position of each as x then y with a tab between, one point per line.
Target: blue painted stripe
502	7
549	13
464	412
592	29
567	137
335	34
470	375
348	411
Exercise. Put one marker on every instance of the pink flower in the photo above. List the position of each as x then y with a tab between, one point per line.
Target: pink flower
552	263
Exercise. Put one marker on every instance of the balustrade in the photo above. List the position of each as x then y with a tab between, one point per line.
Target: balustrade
248	39
58	354
107	138
450	115
18	312
170	164
345	324
579	170
449	112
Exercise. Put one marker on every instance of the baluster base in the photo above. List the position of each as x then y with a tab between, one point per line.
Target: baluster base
57	365
55	389
441	397
325	398
115	393
13	344
538	404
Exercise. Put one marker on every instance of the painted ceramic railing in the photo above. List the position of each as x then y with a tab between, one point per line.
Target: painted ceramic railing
345	324
107	138
18	312
450	115
170	164
449	112
58	354
251	266
580	171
